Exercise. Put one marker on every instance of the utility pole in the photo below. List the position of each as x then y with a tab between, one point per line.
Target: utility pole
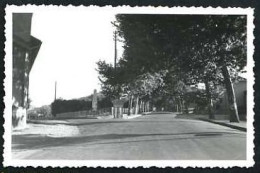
115	109
55	91
53	109
115	39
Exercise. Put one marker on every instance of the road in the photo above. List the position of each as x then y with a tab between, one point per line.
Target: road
150	137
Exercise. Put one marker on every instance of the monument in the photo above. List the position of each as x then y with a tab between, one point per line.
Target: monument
94	101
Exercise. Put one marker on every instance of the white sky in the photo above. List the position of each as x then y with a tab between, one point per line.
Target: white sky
72	43
73	40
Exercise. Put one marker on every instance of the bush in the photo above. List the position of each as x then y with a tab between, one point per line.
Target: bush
63	106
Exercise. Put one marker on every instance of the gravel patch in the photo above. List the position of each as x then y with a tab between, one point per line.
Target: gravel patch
58	130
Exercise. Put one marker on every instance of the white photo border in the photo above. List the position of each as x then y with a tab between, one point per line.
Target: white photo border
249	162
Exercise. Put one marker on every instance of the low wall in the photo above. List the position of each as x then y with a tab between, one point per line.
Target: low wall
85	114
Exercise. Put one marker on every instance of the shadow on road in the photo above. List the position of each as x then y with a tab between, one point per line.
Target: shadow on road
30	141
75	123
69	123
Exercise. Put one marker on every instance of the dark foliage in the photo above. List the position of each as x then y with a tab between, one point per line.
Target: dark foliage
62	106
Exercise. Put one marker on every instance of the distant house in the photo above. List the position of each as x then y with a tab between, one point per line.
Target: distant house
240	92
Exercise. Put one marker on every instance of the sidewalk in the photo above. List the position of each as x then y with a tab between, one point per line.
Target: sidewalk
131	116
242	125
47	122
239	126
67	121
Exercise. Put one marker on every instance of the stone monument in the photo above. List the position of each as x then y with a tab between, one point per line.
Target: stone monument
94	101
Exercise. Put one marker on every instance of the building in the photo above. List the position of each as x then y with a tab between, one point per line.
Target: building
240	93
25	50
220	106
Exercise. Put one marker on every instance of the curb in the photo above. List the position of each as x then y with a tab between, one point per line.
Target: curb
224	124
45	123
132	117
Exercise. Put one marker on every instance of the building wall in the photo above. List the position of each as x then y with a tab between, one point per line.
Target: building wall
24	53
240	89
240	92
22	25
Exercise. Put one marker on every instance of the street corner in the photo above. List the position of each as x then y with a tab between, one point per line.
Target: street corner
55	130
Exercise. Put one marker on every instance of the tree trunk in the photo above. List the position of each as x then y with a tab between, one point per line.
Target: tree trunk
130	105
186	107
209	100
141	106
137	105
232	105
180	103
148	107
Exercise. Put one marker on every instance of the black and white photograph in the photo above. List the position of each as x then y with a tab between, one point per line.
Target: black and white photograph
128	86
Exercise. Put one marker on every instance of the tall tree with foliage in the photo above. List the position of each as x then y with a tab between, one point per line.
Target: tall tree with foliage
223	41
196	48
112	82
144	85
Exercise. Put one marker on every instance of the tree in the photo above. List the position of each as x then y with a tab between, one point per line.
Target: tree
121	82
112	82
196	48
224	40
144	85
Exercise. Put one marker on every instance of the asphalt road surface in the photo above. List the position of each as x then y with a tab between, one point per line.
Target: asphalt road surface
150	137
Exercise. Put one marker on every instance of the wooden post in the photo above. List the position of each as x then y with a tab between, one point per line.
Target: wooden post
55	90
115	39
